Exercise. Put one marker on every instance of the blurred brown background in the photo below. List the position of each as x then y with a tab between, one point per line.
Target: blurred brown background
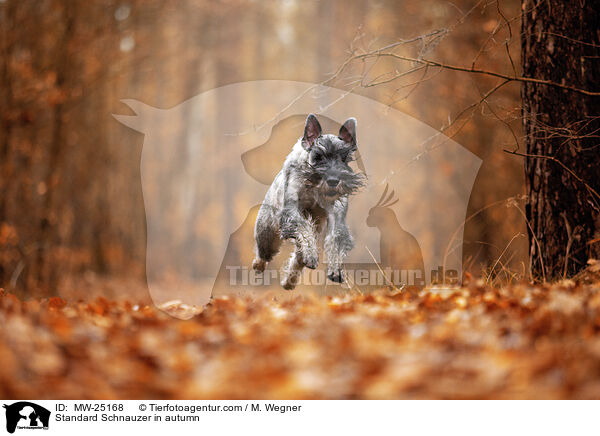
71	203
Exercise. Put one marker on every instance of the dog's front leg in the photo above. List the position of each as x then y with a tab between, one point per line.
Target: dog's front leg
338	242
295	226
292	271
302	230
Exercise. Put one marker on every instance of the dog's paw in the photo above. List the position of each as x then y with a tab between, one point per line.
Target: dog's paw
259	265
287	285
311	260
290	281
336	275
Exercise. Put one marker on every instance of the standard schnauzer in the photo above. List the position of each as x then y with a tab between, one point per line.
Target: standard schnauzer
311	189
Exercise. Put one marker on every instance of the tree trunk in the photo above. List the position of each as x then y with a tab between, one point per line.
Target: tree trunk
561	43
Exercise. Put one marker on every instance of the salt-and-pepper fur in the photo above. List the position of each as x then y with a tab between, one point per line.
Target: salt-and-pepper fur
310	192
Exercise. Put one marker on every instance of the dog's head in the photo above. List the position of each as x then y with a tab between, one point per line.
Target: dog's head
327	167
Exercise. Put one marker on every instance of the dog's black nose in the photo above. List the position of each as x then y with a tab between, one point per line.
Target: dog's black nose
333	182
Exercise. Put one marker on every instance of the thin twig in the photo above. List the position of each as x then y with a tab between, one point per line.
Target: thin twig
384	274
502	254
451	67
553	159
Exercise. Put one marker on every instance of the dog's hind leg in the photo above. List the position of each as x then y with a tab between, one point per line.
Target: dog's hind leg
305	254
267	237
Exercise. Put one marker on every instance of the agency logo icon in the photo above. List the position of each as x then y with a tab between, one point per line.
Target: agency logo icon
24	415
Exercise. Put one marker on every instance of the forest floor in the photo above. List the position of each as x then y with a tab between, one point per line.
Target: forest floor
520	341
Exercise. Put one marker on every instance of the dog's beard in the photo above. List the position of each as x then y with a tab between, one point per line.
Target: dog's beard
350	183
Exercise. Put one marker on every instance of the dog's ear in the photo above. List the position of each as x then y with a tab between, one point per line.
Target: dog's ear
312	130
348	131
